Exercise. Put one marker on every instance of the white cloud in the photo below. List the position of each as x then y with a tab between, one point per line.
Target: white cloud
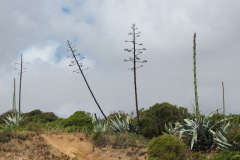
98	29
44	53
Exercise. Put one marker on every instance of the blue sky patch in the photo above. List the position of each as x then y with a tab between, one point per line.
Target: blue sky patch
89	20
61	52
66	10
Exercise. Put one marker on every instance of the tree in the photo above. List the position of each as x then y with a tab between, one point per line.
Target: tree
77	58
135	59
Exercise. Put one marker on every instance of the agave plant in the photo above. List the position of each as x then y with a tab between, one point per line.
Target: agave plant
14	119
119	124
114	125
100	126
201	130
219	136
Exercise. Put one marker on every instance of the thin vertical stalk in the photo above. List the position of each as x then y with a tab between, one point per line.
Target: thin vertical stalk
20	86
223	98
95	115
14	99
195	74
136	51
134	70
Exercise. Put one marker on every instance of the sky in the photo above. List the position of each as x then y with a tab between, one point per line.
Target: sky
98	28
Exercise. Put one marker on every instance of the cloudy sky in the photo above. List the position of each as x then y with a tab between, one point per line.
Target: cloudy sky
39	29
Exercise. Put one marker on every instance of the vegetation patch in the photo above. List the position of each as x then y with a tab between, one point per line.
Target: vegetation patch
78	121
167	147
153	120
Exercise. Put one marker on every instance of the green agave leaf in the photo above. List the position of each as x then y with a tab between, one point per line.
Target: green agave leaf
12	119
200	127
192	143
195	134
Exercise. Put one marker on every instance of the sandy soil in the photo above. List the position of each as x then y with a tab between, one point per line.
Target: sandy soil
64	147
34	147
80	147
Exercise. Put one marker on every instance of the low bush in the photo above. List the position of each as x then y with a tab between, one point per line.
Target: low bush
39	117
77	129
167	147
80	119
124	140
31	126
118	140
233	136
151	158
233	118
153	120
226	155
54	124
100	139
6	135
9	133
197	156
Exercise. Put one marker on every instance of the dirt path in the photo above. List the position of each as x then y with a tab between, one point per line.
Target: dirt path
72	145
80	147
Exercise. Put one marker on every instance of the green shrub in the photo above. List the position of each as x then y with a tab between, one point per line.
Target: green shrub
237	141
76	129
167	147
33	126
153	120
217	117
6	135
227	155
198	156
22	136
124	140
54	124
151	158
233	118
80	119
233	136
100	139
34	113
39	117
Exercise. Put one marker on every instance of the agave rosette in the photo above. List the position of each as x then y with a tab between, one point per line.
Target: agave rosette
201	127
14	119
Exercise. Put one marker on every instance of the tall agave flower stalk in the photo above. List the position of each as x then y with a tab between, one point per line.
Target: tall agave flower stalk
223	98
22	70
15	118
135	59
77	62
195	75
200	129
14	100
